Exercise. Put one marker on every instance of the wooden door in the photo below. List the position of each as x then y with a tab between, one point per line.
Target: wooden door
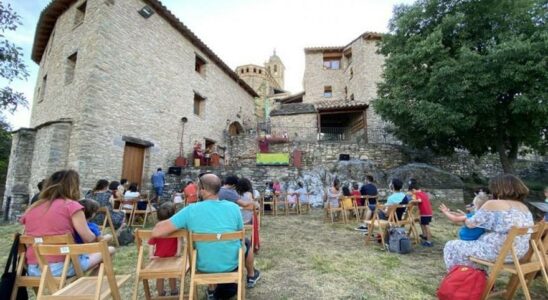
132	168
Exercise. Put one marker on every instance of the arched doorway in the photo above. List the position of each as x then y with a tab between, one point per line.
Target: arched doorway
235	129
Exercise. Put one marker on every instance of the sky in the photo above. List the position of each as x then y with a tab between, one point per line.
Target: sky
239	32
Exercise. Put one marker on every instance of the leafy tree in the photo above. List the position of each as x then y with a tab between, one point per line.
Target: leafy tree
468	74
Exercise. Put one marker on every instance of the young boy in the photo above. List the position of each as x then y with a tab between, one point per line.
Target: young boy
165	247
356	194
465	233
425	210
90	210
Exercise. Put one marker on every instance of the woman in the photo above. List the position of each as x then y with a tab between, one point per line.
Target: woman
58	212
245	190
334	193
102	195
115	196
497	217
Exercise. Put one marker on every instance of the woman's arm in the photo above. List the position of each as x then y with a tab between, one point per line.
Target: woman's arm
455	218
81	226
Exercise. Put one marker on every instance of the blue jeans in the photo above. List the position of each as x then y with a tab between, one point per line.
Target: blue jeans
159	190
57	268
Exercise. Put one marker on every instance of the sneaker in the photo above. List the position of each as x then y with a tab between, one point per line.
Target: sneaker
174	292
361	228
210	295
252	281
427	244
422	237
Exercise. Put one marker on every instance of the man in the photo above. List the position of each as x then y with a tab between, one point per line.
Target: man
228	192
369	189
212	215
158	181
36	196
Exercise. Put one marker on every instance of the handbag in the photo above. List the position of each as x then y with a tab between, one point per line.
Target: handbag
8	278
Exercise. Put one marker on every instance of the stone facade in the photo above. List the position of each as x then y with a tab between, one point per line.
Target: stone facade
131	77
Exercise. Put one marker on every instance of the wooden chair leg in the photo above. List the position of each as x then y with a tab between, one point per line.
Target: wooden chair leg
146	287
135	287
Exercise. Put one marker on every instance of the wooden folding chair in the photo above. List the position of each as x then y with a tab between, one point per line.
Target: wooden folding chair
376	223
409	218
331	212
89	287
144	213
304	204
107	221
269	202
292	208
127	211
524	269
280	200
197	278
25	242
168	267
361	209
350	209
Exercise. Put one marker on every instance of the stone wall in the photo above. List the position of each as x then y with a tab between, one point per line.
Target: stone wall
316	77
300	127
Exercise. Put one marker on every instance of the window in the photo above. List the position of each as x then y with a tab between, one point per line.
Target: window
80	14
332	60
352	97
70	68
260	71
242	71
247	70
199	105
348	56
42	89
327	91
275	69
199	65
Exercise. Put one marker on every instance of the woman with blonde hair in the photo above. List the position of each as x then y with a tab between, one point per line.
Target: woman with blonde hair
497	217
59	212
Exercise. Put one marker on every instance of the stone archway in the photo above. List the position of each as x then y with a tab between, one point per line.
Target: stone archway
235	128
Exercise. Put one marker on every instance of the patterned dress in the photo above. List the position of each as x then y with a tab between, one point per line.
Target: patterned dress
104	201
487	247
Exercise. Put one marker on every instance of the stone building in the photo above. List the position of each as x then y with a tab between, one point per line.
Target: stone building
339	86
267	81
116	79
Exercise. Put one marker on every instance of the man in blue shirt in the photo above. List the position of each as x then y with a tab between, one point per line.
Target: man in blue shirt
212	215
158	180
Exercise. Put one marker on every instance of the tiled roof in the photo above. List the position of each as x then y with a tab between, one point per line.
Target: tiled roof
56	8
338	104
368	35
295	98
293	109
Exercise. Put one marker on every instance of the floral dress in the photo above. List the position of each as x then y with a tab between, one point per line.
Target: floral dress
104	201
497	225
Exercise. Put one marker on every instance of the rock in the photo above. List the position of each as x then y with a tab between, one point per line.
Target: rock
426	175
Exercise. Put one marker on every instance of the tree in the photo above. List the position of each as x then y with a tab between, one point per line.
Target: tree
467	74
12	65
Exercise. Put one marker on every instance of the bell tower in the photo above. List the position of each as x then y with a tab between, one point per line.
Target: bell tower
276	68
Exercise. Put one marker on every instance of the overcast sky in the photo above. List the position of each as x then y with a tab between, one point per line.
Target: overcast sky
240	31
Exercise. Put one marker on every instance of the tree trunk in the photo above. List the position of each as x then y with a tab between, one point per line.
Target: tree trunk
506	159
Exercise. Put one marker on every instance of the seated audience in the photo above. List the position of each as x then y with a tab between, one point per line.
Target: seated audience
397	198
58	212
131	196
90	210
302	193
346	198
212	216
101	194
497	217
356	194
334	193
191	195
36	196
228	192
116	196
245	190
369	189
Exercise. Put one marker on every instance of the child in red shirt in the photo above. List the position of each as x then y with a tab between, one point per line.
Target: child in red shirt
165	247
425	209
356	194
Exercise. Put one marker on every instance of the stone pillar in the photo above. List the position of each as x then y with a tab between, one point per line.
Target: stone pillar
19	172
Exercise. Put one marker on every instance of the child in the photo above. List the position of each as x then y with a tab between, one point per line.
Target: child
165	247
425	209
90	209
346	198
465	233
356	194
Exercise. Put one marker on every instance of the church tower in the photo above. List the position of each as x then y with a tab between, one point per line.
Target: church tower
276	69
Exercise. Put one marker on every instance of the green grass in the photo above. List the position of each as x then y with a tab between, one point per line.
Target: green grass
303	258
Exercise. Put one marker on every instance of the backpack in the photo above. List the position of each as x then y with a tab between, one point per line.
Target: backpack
125	236
398	241
462	283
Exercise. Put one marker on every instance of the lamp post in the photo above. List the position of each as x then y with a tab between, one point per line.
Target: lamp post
181	161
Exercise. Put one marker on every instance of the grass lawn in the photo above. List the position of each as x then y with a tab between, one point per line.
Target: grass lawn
303	258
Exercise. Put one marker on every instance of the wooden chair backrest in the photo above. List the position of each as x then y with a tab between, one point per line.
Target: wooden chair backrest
215	237
104	210
72	251
144	235
508	246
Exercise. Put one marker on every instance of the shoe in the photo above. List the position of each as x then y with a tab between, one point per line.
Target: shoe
427	244
174	292
422	237
361	228
252	281
210	295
